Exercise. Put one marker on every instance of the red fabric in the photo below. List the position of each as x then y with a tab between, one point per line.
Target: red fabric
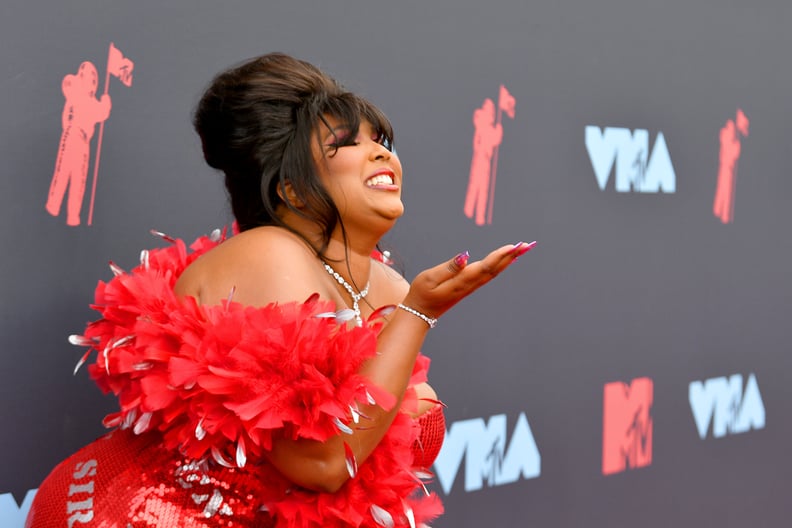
215	382
127	481
430	440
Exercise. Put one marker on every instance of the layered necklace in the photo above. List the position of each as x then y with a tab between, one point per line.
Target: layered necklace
356	297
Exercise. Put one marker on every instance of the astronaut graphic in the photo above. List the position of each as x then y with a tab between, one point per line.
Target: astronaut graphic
82	111
730	149
483	167
486	138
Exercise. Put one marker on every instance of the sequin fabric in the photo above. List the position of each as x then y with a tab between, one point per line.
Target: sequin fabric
128	481
430	439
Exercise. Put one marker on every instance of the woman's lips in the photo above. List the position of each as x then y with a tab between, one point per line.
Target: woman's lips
382	180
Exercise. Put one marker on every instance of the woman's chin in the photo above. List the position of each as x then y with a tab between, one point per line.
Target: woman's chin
393	216
395	212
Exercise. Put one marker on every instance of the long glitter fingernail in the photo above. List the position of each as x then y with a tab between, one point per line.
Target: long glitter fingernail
524	248
461	259
517	247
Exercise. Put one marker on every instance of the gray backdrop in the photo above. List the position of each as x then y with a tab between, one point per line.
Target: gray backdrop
622	285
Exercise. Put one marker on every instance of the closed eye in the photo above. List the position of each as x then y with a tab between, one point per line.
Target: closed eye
384	140
342	137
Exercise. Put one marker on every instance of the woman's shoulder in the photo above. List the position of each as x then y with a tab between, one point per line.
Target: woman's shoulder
266	246
261	265
265	237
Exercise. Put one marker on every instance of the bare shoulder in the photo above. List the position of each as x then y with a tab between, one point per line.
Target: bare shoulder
263	265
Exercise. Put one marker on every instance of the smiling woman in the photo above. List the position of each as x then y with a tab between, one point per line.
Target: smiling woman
350	158
273	378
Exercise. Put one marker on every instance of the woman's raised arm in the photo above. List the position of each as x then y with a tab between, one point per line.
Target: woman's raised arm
323	465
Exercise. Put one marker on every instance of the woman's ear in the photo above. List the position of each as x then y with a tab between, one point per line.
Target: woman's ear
287	194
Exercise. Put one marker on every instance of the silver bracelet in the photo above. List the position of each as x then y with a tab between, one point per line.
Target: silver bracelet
432	322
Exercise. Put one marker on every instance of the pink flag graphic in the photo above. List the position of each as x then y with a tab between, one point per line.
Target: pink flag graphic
506	101
730	149
119	66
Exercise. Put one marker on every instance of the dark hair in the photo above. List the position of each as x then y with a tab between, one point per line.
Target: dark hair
257	122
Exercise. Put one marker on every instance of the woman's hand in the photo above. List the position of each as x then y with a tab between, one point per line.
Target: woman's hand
435	290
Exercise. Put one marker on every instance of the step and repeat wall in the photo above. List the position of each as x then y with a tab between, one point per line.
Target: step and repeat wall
632	370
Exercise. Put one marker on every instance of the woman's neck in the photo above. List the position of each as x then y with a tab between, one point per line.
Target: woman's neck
351	258
348	253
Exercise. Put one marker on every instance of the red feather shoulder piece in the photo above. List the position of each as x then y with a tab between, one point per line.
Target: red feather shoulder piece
218	381
226	375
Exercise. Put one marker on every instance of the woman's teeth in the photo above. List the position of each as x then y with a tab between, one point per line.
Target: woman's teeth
380	179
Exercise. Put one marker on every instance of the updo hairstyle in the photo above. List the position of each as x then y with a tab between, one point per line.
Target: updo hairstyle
257	122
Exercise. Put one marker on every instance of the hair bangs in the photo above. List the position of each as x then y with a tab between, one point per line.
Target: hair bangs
350	109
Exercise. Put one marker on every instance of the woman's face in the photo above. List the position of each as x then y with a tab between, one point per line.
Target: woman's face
361	174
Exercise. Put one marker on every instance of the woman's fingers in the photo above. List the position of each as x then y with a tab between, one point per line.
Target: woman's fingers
457	263
479	273
439	288
451	268
431	278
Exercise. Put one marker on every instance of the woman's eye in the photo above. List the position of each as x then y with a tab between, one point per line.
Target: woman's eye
341	140
346	140
383	140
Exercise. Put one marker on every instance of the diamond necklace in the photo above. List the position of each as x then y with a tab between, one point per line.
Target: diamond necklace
356	297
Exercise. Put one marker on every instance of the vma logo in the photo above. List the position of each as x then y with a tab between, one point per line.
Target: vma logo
724	403
487	456
13	515
636	169
627	425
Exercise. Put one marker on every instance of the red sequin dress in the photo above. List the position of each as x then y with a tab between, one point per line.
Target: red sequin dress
202	390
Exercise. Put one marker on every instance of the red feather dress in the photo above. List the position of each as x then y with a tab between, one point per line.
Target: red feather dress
202	390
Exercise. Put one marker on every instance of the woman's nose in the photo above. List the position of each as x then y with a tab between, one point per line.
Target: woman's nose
380	152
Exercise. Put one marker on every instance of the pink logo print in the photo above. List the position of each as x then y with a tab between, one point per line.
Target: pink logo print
486	143
730	147
81	112
627	425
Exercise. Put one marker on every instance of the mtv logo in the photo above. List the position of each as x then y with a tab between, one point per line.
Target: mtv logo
13	515
627	425
722	402
486	455
629	151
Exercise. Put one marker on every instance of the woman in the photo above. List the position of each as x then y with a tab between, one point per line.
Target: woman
273	378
